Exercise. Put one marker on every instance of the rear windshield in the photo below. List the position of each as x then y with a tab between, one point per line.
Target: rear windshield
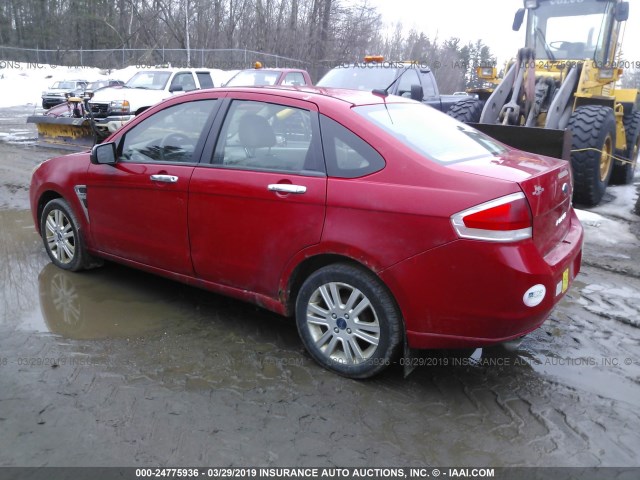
430	133
248	78
363	77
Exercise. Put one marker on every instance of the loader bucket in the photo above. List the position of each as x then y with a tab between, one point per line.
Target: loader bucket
65	132
542	141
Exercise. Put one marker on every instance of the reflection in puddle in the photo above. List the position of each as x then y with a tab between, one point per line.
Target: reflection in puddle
21	258
105	303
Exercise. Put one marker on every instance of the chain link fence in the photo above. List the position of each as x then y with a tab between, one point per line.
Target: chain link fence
225	59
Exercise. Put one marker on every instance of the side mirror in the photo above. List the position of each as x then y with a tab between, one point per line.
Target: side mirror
417	93
622	12
176	88
104	154
518	19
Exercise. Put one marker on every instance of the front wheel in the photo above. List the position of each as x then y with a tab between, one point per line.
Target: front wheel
348	321
468	110
62	237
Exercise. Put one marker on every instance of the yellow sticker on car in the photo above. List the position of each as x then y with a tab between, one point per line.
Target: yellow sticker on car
565	280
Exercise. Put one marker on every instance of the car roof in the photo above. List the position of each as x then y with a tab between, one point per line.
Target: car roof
275	69
319	94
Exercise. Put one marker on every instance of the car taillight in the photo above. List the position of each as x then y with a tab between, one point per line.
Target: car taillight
506	219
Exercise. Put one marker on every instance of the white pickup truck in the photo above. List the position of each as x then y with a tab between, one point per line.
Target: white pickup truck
114	106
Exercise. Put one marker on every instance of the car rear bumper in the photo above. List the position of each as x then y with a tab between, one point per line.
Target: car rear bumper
472	293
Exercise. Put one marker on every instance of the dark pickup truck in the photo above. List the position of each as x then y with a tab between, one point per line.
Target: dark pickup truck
405	79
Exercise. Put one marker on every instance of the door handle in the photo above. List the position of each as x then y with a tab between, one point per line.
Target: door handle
164	178
287	188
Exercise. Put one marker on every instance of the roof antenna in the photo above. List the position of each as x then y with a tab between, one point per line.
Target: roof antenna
385	92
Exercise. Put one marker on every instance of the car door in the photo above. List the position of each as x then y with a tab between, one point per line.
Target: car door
138	207
262	198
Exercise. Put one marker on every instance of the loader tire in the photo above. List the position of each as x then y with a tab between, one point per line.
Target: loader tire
467	110
593	128
623	172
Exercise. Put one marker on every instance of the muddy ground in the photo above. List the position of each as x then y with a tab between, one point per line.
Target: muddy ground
117	367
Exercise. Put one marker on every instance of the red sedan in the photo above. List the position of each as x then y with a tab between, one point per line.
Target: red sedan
379	223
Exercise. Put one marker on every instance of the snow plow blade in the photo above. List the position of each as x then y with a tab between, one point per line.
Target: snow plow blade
542	141
63	132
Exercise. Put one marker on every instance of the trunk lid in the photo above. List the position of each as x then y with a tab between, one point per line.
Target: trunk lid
546	183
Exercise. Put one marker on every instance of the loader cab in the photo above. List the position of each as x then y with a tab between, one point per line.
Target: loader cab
560	30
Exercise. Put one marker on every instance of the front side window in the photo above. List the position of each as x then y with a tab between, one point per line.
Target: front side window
409	78
183	81
429	133
268	136
170	135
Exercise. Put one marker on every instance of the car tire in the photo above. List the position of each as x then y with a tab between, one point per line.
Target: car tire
467	110
62	236
623	172
348	321
593	129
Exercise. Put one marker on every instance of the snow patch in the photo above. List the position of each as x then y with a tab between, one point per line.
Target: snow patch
23	83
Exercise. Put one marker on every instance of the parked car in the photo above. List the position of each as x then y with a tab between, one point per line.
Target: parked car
92	87
66	108
59	91
269	77
406	79
113	107
375	221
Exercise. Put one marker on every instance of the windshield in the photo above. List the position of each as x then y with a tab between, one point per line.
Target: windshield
570	30
360	77
249	78
64	85
431	134
149	80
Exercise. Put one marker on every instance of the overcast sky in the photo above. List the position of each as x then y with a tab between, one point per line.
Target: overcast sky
488	20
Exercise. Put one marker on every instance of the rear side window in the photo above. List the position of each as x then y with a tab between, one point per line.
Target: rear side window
346	154
267	136
204	78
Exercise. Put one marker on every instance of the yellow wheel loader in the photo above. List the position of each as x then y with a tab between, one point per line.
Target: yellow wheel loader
559	96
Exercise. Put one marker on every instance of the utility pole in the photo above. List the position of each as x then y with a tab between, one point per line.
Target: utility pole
186	27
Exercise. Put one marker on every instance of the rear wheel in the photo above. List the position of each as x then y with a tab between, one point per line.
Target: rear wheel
623	172
467	110
348	321
594	138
